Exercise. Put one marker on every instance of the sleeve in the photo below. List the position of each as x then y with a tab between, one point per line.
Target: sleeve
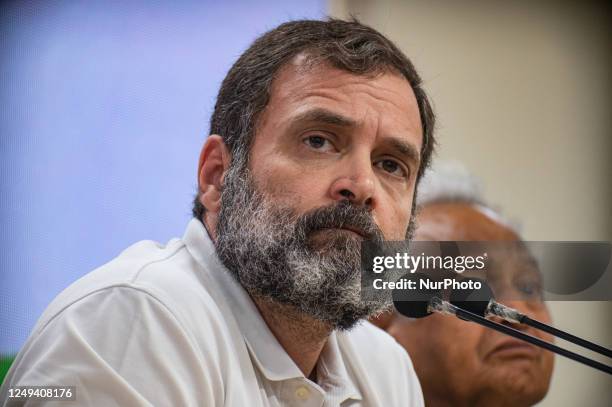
119	346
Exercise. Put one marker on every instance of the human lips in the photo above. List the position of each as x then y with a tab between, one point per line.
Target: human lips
357	231
350	229
514	348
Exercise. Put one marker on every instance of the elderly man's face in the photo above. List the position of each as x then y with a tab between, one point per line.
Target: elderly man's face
328	135
464	364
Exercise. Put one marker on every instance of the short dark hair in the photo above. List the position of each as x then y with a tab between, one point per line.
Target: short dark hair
346	45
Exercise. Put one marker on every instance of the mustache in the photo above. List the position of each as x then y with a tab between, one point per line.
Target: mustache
341	215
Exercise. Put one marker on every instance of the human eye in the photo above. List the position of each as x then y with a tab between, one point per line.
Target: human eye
318	142
529	289
392	167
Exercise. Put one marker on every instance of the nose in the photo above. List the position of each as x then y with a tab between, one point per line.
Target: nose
515	325
528	308
355	184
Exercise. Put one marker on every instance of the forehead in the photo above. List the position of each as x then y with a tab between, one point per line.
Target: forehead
466	222
387	96
460	221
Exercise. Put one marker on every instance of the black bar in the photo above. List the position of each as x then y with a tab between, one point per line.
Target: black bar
533	340
567	336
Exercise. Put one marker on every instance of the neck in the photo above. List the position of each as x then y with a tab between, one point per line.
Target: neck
302	337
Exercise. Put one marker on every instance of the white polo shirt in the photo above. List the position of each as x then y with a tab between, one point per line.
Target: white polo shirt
169	326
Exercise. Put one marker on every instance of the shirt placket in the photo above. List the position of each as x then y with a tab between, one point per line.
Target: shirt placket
302	393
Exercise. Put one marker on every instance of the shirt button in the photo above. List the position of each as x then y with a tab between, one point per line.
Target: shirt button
302	393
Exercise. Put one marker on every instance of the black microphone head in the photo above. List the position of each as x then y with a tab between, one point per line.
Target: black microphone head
413	303
474	298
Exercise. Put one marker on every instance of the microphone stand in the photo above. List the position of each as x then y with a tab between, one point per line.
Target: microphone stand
444	307
512	315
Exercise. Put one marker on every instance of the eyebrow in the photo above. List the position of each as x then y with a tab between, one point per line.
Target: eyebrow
320	115
405	149
325	116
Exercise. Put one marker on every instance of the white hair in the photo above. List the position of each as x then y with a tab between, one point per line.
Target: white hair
451	182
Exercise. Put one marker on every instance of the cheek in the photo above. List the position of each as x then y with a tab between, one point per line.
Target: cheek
444	352
292	185
393	217
465	340
451	341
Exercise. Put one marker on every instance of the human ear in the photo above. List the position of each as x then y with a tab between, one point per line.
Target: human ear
213	164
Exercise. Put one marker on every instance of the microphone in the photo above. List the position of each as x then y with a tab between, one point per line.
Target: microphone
414	303
476	303
421	303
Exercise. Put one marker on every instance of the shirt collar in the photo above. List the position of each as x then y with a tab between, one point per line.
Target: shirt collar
332	370
267	353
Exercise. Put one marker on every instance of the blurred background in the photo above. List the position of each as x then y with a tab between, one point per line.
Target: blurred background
105	105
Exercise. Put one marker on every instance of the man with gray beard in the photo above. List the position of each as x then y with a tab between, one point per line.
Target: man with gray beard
319	280
320	134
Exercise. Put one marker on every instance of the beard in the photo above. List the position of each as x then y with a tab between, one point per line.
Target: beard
303	261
